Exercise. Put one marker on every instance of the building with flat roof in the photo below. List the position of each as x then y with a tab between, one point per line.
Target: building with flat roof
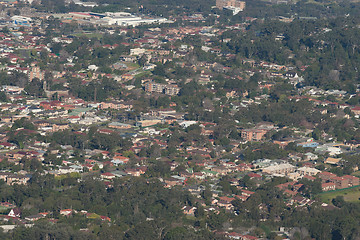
253	134
234	5
308	171
282	169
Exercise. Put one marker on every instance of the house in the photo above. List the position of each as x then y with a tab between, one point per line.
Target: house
235	235
199	175
291	75
66	212
189	210
246	193
225	202
248	237
7	205
133	172
119	173
15	212
34	218
119	125
17	179
333	161
301	201
253	175
117	160
105	218
174	181
6	145
308	144
241	197
356	110
311	178
107	176
310	156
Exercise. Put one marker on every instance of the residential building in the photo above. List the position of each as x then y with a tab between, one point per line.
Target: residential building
340	182
167	89
282	169
35	72
353	181
253	134
230	3
328	186
308	171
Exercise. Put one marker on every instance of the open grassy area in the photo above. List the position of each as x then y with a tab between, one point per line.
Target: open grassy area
350	195
356	174
132	65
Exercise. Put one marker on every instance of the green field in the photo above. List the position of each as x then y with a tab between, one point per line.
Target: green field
349	194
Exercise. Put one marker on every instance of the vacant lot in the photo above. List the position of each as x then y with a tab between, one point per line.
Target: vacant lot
350	195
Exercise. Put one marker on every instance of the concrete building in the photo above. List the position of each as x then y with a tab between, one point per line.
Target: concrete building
167	89
353	181
35	72
282	169
328	186
340	182
325	176
233	5
253	134
308	171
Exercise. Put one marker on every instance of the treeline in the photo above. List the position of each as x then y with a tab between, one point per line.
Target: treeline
93	140
342	222
329	49
138	208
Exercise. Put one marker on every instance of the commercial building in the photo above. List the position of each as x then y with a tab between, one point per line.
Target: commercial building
116	18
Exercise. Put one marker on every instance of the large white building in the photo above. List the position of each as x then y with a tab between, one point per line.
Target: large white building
282	169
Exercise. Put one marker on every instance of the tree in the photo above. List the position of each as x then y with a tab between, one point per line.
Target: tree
142	60
34	88
3	97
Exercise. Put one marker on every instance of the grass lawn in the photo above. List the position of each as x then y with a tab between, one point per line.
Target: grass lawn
142	74
132	65
350	195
